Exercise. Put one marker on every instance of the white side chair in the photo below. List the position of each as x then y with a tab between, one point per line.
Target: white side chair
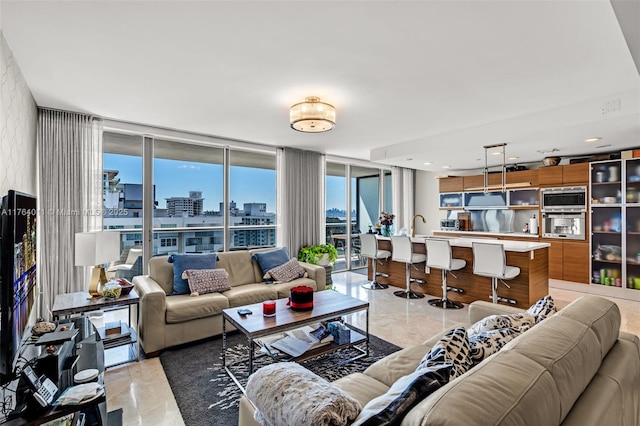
489	260
439	257
369	249
402	251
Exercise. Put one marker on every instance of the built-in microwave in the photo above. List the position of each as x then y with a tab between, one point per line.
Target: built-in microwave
565	199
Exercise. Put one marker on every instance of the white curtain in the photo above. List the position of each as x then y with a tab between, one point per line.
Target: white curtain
69	197
403	183
300	198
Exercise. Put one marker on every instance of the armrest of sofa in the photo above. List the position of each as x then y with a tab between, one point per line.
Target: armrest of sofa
481	309
316	273
152	313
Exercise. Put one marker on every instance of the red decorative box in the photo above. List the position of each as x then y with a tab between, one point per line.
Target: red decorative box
301	298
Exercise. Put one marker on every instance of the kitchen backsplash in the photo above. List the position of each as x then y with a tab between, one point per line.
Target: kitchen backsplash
498	220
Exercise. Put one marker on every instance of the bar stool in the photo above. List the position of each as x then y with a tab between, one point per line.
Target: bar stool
439	257
489	260
403	252
369	249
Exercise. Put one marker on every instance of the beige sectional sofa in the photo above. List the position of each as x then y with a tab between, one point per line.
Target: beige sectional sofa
574	368
168	320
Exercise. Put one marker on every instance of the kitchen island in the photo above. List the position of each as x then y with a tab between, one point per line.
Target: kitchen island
531	257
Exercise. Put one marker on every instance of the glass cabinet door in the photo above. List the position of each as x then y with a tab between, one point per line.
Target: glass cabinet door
523	198
451	200
481	200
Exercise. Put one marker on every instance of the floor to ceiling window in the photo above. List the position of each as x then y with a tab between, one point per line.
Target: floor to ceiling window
252	195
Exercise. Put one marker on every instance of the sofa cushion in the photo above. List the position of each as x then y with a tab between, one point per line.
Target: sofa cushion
396	365
496	322
543	308
182	262
250	293
239	266
362	387
286	272
453	349
510	389
161	272
271	258
284	289
489	342
288	394
391	407
182	307
203	281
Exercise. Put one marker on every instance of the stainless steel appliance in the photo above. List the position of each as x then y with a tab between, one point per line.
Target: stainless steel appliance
566	199
449	224
568	225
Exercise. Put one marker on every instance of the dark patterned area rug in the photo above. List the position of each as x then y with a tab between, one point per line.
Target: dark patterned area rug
206	395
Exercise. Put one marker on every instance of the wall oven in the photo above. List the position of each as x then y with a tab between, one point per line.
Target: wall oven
569	225
566	199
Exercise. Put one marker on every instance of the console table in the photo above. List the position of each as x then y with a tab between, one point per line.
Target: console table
68	304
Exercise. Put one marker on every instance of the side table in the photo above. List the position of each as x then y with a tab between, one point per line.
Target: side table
68	304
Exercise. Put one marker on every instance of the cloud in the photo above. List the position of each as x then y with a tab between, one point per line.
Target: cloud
188	166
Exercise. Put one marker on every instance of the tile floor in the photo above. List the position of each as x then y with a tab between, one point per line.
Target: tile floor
143	392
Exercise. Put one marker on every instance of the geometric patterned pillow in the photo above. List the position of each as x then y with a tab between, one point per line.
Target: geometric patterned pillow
489	342
543	308
453	348
202	281
496	322
286	272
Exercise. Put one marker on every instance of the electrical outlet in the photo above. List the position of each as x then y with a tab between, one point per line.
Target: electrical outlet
427	270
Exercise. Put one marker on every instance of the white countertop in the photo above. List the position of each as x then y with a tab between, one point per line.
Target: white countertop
509	245
493	234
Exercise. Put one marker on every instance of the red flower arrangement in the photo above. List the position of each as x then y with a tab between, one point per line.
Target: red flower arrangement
386	219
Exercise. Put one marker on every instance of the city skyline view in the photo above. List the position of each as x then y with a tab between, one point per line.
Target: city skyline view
174	178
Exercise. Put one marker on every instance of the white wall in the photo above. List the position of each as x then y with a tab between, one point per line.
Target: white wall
428	202
18	120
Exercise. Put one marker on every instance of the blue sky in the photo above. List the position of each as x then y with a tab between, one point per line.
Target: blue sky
174	178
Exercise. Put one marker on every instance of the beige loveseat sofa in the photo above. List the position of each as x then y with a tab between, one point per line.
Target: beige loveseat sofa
167	321
574	368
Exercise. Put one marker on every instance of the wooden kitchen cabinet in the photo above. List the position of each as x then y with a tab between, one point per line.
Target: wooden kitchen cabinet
476	182
575	174
576	261
529	176
451	184
556	262
550	176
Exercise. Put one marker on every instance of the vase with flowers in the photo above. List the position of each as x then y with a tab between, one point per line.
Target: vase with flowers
386	220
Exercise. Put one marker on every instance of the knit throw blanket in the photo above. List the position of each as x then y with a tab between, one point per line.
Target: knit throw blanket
286	394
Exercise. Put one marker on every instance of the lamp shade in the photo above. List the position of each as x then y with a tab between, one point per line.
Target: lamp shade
94	248
312	116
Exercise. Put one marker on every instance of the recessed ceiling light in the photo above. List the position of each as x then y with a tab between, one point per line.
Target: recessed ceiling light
603	146
513	158
496	153
426	163
592	139
446	167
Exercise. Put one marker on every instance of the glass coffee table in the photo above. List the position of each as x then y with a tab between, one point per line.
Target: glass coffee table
327	305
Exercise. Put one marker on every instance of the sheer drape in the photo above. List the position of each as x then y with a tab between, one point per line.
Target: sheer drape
402	180
69	197
300	197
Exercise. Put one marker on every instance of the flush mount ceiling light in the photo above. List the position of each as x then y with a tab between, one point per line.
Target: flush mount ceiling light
312	116
595	139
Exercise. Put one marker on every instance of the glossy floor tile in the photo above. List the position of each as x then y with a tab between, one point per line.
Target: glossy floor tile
142	391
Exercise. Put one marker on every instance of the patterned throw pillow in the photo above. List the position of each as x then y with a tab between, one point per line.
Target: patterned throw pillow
496	322
543	308
202	281
182	262
271	258
453	348
391	407
286	272
489	342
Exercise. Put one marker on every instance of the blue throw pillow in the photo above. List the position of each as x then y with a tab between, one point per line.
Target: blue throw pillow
271	259
182	262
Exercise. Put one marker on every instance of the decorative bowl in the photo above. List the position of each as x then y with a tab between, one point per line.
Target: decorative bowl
551	161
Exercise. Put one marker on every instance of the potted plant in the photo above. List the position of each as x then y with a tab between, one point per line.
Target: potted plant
319	254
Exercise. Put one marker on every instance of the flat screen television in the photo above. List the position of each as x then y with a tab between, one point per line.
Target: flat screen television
17	275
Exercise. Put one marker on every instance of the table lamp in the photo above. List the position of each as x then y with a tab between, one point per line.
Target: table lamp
95	249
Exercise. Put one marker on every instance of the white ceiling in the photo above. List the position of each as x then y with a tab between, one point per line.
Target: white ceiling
420	80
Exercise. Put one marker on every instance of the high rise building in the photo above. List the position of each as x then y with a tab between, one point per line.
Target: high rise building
193	205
